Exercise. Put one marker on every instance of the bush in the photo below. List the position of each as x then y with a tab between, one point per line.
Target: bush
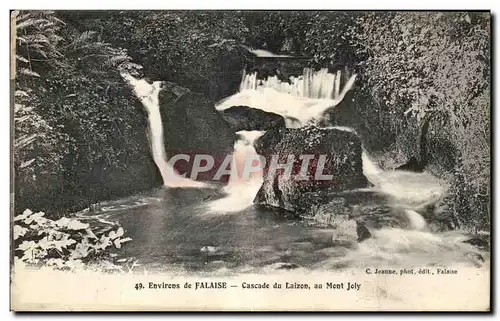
77	127
437	62
411	64
80	133
65	244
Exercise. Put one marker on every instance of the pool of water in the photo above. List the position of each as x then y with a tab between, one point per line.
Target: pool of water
173	229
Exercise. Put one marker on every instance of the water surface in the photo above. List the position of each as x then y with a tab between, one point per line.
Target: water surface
174	229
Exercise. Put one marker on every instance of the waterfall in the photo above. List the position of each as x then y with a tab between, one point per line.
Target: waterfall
407	189
303	101
312	84
305	98
243	185
148	95
300	102
413	189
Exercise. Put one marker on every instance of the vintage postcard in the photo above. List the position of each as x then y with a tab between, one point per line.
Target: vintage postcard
251	160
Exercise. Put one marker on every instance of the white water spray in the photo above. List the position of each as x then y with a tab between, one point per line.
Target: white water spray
148	95
301	102
412	189
312	84
242	186
305	98
394	247
407	189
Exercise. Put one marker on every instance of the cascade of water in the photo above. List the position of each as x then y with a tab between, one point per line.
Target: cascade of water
311	84
148	95
305	98
394	246
244	183
240	190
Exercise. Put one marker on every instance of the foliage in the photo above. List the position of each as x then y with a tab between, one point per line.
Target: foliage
326	40
66	243
422	62
76	122
36	39
194	49
78	134
35	157
410	64
417	62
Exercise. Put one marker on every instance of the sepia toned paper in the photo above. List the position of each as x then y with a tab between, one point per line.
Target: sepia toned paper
250	161
35	290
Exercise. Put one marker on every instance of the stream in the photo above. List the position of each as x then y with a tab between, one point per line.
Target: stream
191	226
171	229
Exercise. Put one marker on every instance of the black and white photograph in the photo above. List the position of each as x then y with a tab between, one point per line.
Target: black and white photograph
250	160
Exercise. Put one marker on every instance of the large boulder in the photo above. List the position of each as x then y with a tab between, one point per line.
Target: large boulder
248	118
338	150
192	126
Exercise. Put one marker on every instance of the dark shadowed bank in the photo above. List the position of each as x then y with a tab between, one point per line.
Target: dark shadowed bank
80	134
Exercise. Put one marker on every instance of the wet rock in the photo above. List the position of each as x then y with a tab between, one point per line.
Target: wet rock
247	118
362	232
264	249
283	266
377	216
193	126
329	213
439	216
218	264
373	210
345	232
476	258
335	166
322	238
479	241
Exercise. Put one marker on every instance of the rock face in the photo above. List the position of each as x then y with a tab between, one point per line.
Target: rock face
373	210
248	118
364	210
339	151
193	126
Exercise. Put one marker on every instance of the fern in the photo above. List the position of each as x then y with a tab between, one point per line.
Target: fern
83	40
37	38
20	93
25	24
24	141
26	71
22	59
117	60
